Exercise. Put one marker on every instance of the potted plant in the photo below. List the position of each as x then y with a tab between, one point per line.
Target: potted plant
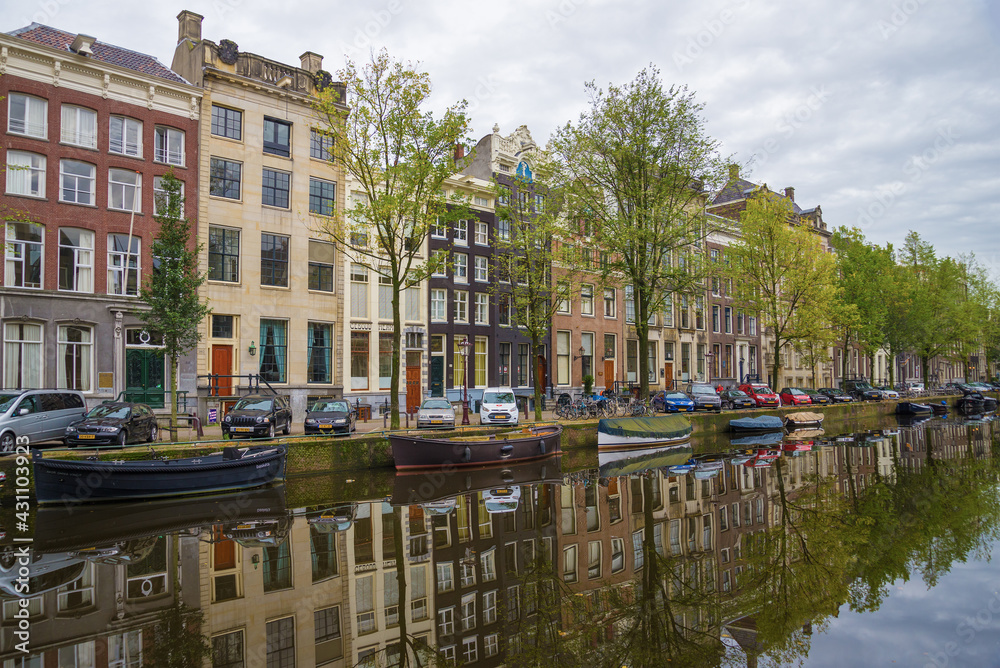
588	384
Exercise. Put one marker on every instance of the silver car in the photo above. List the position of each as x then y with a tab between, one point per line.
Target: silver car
436	412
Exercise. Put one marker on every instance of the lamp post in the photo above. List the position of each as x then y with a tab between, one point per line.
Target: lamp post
465	344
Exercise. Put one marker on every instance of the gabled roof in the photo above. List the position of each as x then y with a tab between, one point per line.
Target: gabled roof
107	53
740	189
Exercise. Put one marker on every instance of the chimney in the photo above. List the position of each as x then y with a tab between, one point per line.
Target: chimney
790	193
734	172
82	45
311	62
459	151
189	26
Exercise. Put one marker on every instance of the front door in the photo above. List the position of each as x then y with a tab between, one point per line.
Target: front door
668	375
609	374
437	376
412	382
144	377
222	365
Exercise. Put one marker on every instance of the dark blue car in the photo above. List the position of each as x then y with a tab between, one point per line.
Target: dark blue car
672	402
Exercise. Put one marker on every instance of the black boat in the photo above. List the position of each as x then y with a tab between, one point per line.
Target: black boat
913	408
971	403
415	488
82	481
417	452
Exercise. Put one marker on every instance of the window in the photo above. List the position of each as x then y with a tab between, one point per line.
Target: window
274	189
277	137
168	146
503	310
562	358
446	621
685	313
470	649
273	350
668	311
161	202
273	260
462	232
322	197
610	309
469	612
281	643
610	347
504	369
77	182
25	174
223	254
729	320
27	115
22	355
482	308
76	260
617	555
752	325
326	623
587	299
461	268
23	265
227	650
359	291
482	233
569	563
125	650
359	360
631	360
319	352
523	368
321	144
503	229
482	344
461	313
445	576
439	298
321	258
75	358
222	326
227	122
224	178
125	136
481	268
439	259
587	360
715	318
124	190
651	361
739	322
699	312
562	294
629	304
79	126
384	361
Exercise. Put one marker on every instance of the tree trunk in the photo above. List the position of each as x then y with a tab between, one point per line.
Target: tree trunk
535	343
394	376
776	365
173	398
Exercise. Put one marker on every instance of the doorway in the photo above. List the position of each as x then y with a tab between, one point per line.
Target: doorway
222	365
144	377
412	381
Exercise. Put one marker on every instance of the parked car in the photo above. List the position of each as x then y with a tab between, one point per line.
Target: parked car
888	392
498	406
816	397
672	402
436	412
793	396
915	387
258	415
861	390
41	415
113	423
330	416
704	396
837	396
761	394
736	399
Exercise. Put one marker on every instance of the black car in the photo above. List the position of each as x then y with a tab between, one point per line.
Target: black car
836	396
330	416
736	399
113	423
258	415
817	397
862	390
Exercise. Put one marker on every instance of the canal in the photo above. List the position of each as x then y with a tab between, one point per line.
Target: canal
872	544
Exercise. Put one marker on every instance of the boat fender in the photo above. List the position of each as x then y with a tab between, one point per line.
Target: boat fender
506	451
507	476
541	446
467	454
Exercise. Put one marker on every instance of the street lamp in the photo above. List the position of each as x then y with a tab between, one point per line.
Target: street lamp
708	367
465	344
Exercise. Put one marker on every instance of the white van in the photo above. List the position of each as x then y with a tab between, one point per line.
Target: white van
499	406
41	415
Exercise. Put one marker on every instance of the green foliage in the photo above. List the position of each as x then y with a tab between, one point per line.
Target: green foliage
588	384
177	639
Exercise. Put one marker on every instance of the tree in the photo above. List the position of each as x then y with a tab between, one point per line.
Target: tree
635	167
780	268
399	157
171	291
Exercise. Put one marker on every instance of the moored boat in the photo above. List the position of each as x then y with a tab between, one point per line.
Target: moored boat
629	462
913	408
761	423
417	452
971	403
642	432
804	420
82	481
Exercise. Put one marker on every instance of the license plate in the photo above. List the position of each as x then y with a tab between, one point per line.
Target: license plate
326	426
498	416
84	436
437	421
241	428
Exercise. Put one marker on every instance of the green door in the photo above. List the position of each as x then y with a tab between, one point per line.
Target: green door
144	377
437	376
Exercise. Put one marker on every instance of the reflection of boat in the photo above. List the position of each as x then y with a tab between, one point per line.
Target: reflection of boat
913	420
78	481
797	448
258	532
409	488
709	467
941	408
913	408
64	528
763	459
741	458
416	452
642	432
761	423
804	420
761	438
804	435
681	469
971	403
627	462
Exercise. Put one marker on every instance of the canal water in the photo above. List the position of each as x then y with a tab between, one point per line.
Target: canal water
866	545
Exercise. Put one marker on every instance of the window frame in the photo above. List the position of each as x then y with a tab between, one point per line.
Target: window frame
31	253
77	178
273	192
481	233
29	101
36	174
79	267
323	272
271	137
162	154
319	203
117	186
223	255
460	311
274	260
129	126
221	178
321	145
226	122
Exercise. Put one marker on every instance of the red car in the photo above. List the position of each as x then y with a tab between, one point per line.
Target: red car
761	394
793	396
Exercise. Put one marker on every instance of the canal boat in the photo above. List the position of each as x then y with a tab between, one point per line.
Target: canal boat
631	462
804	420
438	488
762	423
971	403
642	433
411	452
913	408
91	480
754	439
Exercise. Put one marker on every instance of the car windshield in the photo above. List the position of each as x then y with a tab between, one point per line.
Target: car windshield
795	390
6	400
498	397
737	393
762	389
863	385
436	404
702	389
676	395
119	412
256	404
330	407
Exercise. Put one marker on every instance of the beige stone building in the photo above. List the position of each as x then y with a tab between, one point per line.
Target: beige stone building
266	180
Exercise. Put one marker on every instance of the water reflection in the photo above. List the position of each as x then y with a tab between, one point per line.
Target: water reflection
710	559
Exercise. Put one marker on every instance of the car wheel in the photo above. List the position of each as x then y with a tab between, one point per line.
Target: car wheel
123	438
288	427
270	431
154	431
7	442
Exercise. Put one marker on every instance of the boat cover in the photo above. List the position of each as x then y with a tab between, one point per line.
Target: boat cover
804	416
762	422
772	438
663	427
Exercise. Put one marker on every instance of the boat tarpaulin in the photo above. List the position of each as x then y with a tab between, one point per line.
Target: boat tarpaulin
659	427
761	423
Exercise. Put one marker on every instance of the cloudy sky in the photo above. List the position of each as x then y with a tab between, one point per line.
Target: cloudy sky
884	112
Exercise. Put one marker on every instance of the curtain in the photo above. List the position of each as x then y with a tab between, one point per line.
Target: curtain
273	349
75	353
23	355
